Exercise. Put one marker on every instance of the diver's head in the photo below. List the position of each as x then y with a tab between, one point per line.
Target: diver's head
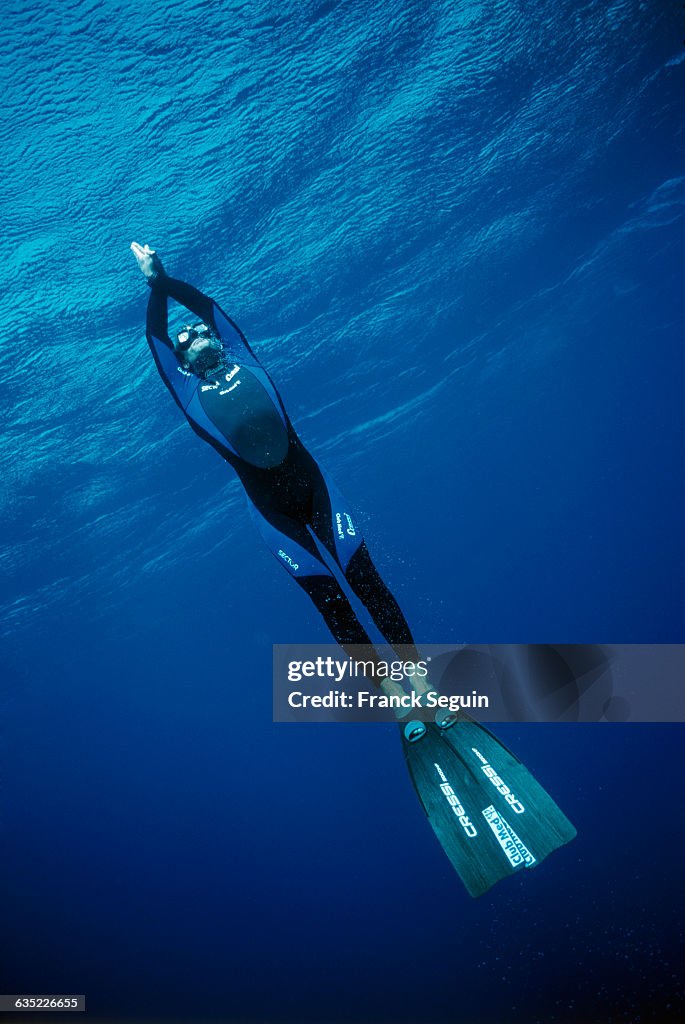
198	348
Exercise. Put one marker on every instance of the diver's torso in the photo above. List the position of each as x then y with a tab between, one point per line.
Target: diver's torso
241	409
273	465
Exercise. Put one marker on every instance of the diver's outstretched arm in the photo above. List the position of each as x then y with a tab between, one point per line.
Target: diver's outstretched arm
185	294
157	319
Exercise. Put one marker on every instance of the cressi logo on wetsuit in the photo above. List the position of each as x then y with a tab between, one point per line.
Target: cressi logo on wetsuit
227	378
342	530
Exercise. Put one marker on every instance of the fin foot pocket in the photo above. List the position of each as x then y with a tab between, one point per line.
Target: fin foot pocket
414	731
446	719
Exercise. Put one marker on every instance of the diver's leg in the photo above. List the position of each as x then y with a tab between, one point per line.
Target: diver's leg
293	546
368	585
338	614
336	528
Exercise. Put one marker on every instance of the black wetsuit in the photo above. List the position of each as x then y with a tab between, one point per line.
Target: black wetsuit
237	410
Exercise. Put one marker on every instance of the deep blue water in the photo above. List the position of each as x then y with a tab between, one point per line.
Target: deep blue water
454	234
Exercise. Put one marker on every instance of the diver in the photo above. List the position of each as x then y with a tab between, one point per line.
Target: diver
489	813
231	402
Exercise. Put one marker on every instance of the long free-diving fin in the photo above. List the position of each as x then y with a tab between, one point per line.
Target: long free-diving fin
490	815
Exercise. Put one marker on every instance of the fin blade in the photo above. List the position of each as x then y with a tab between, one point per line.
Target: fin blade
517	794
474	812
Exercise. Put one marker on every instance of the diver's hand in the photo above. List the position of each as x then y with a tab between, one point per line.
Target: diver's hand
147	259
